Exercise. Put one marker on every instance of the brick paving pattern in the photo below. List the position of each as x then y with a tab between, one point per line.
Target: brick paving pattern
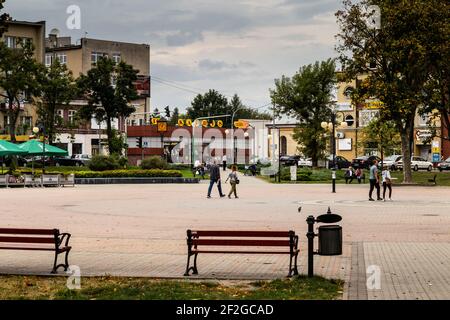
140	230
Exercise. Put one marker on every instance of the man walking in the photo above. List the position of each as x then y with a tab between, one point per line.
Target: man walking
374	179
215	177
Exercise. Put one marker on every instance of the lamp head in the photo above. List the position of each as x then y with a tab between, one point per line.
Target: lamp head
324	125
36	130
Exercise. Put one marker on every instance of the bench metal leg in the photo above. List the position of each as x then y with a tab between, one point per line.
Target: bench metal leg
293	270
65	265
193	268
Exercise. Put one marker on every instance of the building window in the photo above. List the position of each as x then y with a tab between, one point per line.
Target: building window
283	145
97	55
10	42
48	59
350	120
62	57
116	58
71	116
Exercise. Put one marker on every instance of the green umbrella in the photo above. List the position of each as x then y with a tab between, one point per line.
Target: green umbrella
36	148
9	149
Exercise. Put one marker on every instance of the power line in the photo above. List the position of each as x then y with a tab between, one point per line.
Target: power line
189	89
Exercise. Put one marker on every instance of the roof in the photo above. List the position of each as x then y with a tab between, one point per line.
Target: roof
28	23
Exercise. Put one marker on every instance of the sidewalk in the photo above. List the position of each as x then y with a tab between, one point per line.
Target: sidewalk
131	230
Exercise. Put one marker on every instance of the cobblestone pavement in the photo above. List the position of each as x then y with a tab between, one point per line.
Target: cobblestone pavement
140	230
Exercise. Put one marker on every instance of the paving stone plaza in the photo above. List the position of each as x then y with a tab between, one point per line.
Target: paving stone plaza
140	231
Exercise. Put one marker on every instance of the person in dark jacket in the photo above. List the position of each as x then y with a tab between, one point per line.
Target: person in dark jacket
215	178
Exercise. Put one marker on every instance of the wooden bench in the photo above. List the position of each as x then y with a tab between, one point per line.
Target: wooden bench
37	240
213	242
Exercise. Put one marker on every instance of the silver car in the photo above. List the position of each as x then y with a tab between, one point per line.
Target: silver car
417	163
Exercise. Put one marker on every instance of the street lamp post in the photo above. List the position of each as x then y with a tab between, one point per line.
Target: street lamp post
36	130
332	127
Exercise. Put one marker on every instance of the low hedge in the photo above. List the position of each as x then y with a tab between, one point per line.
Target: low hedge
155	173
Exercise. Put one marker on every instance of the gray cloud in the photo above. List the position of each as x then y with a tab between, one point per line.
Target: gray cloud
183	38
237	46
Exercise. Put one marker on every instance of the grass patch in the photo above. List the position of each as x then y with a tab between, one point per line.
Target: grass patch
323	176
113	288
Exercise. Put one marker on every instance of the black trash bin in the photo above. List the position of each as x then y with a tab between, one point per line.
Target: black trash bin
330	240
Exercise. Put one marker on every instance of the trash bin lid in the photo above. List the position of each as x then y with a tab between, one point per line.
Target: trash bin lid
329	218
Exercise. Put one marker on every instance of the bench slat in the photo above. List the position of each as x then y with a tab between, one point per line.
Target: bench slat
228	242
28	248
27	240
28	231
63	249
243	252
268	234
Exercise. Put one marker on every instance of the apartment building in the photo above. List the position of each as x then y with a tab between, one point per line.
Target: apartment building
89	138
350	141
22	31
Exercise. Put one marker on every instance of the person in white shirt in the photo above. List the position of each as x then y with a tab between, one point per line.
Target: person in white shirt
387	182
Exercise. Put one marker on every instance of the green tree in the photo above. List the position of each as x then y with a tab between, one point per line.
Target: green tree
4	17
383	134
245	112
167	112
109	89
18	79
57	87
308	97
211	103
437	88
394	57
174	118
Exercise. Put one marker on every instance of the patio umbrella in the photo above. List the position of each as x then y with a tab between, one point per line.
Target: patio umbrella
36	148
9	149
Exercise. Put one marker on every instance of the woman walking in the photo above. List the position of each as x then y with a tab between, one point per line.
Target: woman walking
387	182
233	181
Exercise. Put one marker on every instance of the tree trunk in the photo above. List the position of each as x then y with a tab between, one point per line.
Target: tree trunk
406	152
13	115
109	133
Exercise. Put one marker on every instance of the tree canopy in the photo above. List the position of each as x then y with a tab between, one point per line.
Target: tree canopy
56	88
108	88
18	79
308	97
394	56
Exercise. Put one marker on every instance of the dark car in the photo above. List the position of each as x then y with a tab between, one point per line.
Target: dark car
364	162
444	165
68	162
21	162
341	163
289	160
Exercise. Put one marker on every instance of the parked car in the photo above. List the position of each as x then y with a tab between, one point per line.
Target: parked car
68	162
444	165
84	158
21	162
364	162
417	163
304	162
289	160
391	162
341	162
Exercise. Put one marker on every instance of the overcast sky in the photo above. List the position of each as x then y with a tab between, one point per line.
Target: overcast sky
234	46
